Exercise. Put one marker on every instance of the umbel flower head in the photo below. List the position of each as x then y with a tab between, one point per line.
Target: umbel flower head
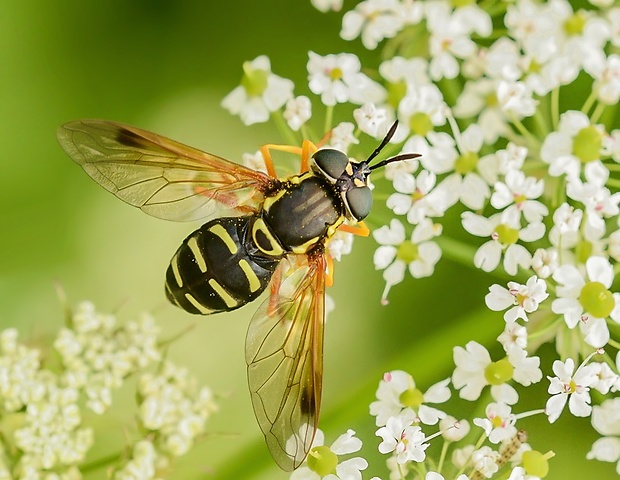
47	414
512	107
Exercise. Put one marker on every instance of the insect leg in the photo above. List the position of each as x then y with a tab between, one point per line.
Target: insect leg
265	151
307	150
329	271
273	294
360	229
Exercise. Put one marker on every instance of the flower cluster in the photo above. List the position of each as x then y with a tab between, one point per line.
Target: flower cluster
45	430
511	106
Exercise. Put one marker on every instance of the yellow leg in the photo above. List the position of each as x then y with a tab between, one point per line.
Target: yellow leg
360	229
306	150
329	271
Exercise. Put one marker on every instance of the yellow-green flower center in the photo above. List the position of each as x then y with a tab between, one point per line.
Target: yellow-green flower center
497	421
254	81
466	162
596	299
462	3
534	67
322	460
498	373
506	235
491	100
587	144
535	463
407	252
335	73
575	24
420	123
411	398
396	92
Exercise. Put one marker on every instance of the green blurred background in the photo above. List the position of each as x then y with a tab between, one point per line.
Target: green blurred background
165	66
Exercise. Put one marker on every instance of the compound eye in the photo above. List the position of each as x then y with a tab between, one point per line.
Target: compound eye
359	202
331	163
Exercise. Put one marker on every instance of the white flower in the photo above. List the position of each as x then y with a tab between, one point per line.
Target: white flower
325	463
587	301
401	72
545	261
142	464
568	384
374	20
533	25
342	136
371	120
450	36
606	421
337	78
518	191
49	434
514	335
260	93
479	99
340	244
416	197
485	460
466	184
297	112
437	150
600	203
523	299
566	223
452	429
516	98
420	110
327	5
402	438
499	422
174	406
398	391
397	254
474	370
607	76
255	161
606	378
437	476
504	230
576	143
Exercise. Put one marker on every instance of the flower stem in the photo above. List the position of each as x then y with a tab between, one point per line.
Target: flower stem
283	128
329	116
555	107
101	462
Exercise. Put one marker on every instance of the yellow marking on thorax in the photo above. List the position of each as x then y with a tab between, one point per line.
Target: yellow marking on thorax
331	230
199	306
192	243
224	295
221	232
250	275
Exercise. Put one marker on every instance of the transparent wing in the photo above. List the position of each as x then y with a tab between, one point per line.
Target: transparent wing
284	353
162	177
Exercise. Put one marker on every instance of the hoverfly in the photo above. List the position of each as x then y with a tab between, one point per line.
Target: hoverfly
261	231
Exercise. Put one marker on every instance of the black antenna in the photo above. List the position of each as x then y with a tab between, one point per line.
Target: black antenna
385	141
397	158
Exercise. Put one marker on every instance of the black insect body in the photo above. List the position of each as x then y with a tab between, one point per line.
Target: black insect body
260	232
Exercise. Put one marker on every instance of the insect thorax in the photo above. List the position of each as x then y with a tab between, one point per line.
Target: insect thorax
304	212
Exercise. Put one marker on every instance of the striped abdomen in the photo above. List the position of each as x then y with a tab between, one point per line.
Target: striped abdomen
216	269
